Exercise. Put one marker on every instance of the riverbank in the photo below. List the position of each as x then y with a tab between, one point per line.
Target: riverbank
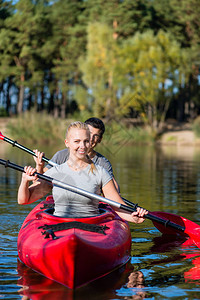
175	134
179	138
179	134
3	125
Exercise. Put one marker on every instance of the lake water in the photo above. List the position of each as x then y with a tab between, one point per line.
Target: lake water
161	267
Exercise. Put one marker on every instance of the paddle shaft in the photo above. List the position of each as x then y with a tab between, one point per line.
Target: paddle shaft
47	160
90	195
15	143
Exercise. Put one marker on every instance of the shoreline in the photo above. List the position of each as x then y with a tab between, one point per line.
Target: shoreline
179	138
176	135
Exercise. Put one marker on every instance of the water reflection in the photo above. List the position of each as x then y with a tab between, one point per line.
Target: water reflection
161	267
193	275
167	243
160	180
37	287
136	284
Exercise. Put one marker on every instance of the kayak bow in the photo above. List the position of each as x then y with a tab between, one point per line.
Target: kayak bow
72	251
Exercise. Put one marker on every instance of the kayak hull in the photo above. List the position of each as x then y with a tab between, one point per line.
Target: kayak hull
73	257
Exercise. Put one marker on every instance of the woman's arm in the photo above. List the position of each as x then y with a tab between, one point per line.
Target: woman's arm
28	194
116	184
110	192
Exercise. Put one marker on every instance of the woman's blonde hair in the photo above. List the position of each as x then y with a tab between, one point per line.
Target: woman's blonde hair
81	125
78	125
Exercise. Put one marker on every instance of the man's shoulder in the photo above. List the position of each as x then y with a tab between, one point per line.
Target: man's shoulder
100	157
61	156
102	160
63	151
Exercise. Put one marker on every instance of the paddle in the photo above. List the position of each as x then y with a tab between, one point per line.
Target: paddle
163	223
47	160
15	143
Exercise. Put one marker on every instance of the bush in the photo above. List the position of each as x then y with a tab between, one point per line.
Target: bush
3	112
40	128
119	133
35	128
196	127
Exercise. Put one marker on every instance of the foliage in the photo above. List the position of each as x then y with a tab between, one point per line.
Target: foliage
111	58
37	128
118	133
99	68
152	70
3	112
196	127
40	128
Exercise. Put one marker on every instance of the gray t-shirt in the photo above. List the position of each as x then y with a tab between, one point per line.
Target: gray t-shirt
62	156
70	204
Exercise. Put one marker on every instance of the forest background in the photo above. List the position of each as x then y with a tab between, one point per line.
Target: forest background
133	63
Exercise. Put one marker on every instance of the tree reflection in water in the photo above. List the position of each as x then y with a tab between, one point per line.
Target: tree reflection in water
136	283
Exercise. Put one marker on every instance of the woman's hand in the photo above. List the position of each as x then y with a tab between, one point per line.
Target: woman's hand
28	175
138	216
38	160
28	194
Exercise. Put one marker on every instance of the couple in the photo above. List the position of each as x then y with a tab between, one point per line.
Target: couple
79	170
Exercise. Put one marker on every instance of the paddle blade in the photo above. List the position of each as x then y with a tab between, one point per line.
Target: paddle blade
173	218
1	136
191	229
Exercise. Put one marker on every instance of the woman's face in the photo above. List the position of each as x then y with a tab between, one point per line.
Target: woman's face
78	142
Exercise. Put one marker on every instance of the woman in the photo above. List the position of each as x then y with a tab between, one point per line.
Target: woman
97	129
80	171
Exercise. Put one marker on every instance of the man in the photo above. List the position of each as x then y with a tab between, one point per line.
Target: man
97	129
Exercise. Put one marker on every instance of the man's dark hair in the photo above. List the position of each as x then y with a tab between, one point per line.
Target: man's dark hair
96	123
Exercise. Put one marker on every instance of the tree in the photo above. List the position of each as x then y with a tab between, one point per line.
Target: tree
125	17
98	68
20	40
6	10
69	40
153	67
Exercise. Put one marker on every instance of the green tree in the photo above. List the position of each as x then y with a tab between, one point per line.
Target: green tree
20	43
153	67
181	19
125	17
69	41
6	10
98	68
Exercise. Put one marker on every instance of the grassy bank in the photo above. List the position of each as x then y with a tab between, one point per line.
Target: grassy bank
37	129
40	128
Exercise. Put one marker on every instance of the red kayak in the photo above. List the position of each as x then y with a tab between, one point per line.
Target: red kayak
72	251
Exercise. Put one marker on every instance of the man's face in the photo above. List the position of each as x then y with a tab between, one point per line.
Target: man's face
95	136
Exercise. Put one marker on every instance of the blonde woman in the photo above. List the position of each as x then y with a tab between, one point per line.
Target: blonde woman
80	171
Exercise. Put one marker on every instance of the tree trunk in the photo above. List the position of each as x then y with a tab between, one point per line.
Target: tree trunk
21	95
42	98
180	107
110	105
8	100
51	103
56	105
63	107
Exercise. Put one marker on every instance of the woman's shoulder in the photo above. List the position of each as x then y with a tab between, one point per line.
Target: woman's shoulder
100	169
102	174
57	169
